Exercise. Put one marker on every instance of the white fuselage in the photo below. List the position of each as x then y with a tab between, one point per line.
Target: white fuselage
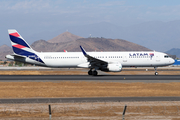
127	59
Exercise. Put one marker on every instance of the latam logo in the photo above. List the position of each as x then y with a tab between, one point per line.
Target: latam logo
138	54
151	55
141	55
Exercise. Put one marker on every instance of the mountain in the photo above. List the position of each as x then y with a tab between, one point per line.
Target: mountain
174	51
5	50
43	46
64	37
155	35
90	44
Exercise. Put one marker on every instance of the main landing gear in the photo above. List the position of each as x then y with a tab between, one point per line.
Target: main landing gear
94	72
155	68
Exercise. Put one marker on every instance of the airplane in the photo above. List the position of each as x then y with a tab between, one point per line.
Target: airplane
104	61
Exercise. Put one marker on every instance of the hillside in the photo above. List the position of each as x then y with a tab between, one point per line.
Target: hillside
64	37
4	50
90	44
155	35
43	46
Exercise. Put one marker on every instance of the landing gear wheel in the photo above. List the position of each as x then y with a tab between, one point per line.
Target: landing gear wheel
94	73
155	68
90	72
156	73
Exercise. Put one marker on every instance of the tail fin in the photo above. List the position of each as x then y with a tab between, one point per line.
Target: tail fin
19	45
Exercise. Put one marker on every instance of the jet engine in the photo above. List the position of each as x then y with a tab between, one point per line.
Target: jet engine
112	67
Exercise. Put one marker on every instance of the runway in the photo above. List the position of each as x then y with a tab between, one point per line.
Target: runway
102	78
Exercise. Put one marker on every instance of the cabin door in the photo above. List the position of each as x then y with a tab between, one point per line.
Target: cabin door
157	59
124	59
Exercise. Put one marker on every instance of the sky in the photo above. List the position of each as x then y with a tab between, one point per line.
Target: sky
31	17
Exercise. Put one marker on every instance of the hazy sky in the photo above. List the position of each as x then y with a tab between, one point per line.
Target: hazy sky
32	16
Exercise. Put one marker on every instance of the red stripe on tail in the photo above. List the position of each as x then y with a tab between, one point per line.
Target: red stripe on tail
18	46
15	34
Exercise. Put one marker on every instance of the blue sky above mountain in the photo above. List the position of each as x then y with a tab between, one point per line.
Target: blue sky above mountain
32	17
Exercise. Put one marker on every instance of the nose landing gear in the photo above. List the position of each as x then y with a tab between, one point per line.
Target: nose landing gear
155	68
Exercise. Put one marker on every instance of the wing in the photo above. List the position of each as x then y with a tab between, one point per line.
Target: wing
94	62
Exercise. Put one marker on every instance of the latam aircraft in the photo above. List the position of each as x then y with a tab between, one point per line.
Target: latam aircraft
104	61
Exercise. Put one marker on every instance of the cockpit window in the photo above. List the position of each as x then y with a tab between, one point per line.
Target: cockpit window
166	56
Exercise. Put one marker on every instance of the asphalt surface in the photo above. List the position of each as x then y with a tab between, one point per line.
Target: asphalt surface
93	99
102	78
99	78
87	77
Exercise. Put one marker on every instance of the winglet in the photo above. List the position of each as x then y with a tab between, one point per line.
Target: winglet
84	52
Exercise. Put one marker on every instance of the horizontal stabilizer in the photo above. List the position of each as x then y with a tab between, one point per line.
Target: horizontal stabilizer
15	55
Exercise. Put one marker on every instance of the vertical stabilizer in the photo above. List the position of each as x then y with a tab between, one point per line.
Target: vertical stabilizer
19	45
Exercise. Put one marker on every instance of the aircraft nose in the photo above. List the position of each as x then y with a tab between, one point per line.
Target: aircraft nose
172	61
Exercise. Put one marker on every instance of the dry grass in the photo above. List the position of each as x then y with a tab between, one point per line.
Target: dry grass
86	89
84	72
42	72
104	110
81	111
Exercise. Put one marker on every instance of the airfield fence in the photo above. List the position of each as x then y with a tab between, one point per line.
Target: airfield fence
89	110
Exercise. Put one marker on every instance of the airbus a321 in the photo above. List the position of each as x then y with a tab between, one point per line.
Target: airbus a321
104	61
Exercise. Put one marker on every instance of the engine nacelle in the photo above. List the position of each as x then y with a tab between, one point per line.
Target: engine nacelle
114	67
